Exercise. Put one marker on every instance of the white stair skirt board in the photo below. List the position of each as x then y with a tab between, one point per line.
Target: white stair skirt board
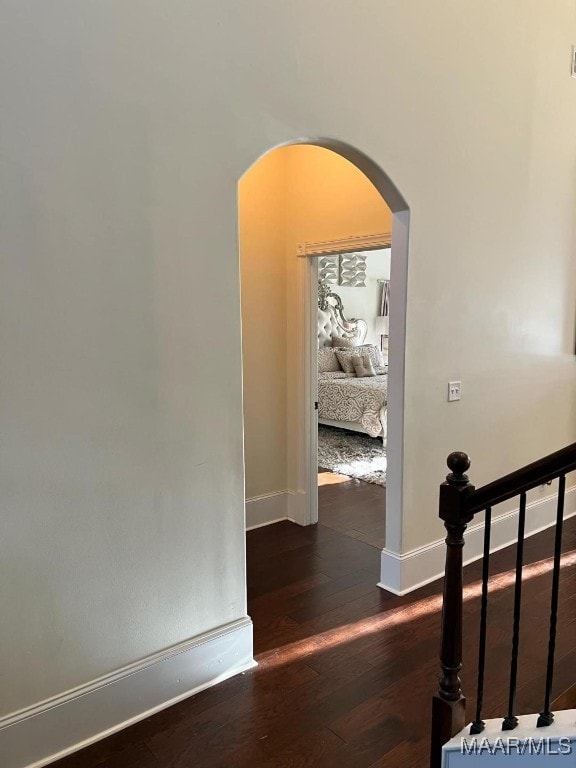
275	507
403	573
49	731
528	745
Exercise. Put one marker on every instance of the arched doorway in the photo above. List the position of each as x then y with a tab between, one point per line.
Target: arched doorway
300	404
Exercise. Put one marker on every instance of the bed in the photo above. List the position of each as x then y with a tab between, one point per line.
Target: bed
345	400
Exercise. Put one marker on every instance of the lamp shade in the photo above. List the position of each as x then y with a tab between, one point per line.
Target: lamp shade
381	325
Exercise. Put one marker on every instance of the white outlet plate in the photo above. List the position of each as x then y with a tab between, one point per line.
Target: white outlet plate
573	67
454	391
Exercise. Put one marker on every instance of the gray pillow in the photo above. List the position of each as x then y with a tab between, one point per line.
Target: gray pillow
345	356
345	359
373	352
345	342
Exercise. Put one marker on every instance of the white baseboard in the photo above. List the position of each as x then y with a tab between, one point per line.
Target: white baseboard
299	507
267	509
404	573
55	728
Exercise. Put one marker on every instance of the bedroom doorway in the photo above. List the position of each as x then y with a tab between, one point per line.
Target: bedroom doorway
353	304
287	220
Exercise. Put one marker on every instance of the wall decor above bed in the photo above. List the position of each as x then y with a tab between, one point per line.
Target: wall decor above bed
329	269
353	270
346	269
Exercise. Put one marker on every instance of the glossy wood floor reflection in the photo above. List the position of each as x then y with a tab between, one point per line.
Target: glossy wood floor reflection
353	507
346	670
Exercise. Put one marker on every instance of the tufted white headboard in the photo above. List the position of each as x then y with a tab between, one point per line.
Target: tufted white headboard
331	320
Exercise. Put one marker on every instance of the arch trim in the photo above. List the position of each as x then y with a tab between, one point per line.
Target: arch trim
301	509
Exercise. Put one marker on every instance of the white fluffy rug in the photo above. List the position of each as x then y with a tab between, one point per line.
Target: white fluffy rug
352	454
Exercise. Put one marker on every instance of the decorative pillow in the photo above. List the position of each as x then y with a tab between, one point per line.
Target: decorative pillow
345	355
327	360
345	358
374	352
345	342
363	366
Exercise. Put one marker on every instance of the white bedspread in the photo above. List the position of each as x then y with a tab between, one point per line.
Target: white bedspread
342	398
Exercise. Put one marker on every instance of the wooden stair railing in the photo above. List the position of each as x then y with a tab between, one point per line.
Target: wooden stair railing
460	501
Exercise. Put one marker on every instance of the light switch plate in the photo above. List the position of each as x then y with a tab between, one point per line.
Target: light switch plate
454	391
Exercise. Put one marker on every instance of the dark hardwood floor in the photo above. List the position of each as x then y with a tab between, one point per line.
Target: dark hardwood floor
352	507
346	671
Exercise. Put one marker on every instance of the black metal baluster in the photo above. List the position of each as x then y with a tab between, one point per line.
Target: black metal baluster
478	724
511	721
546	717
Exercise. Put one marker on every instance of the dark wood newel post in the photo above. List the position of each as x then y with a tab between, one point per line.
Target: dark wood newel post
449	705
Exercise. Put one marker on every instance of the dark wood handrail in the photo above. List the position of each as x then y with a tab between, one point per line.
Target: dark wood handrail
524	479
459	502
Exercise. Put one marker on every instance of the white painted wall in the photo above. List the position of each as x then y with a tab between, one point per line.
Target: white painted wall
125	128
121	450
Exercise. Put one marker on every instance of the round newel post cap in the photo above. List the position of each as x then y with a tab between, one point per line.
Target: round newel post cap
459	463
